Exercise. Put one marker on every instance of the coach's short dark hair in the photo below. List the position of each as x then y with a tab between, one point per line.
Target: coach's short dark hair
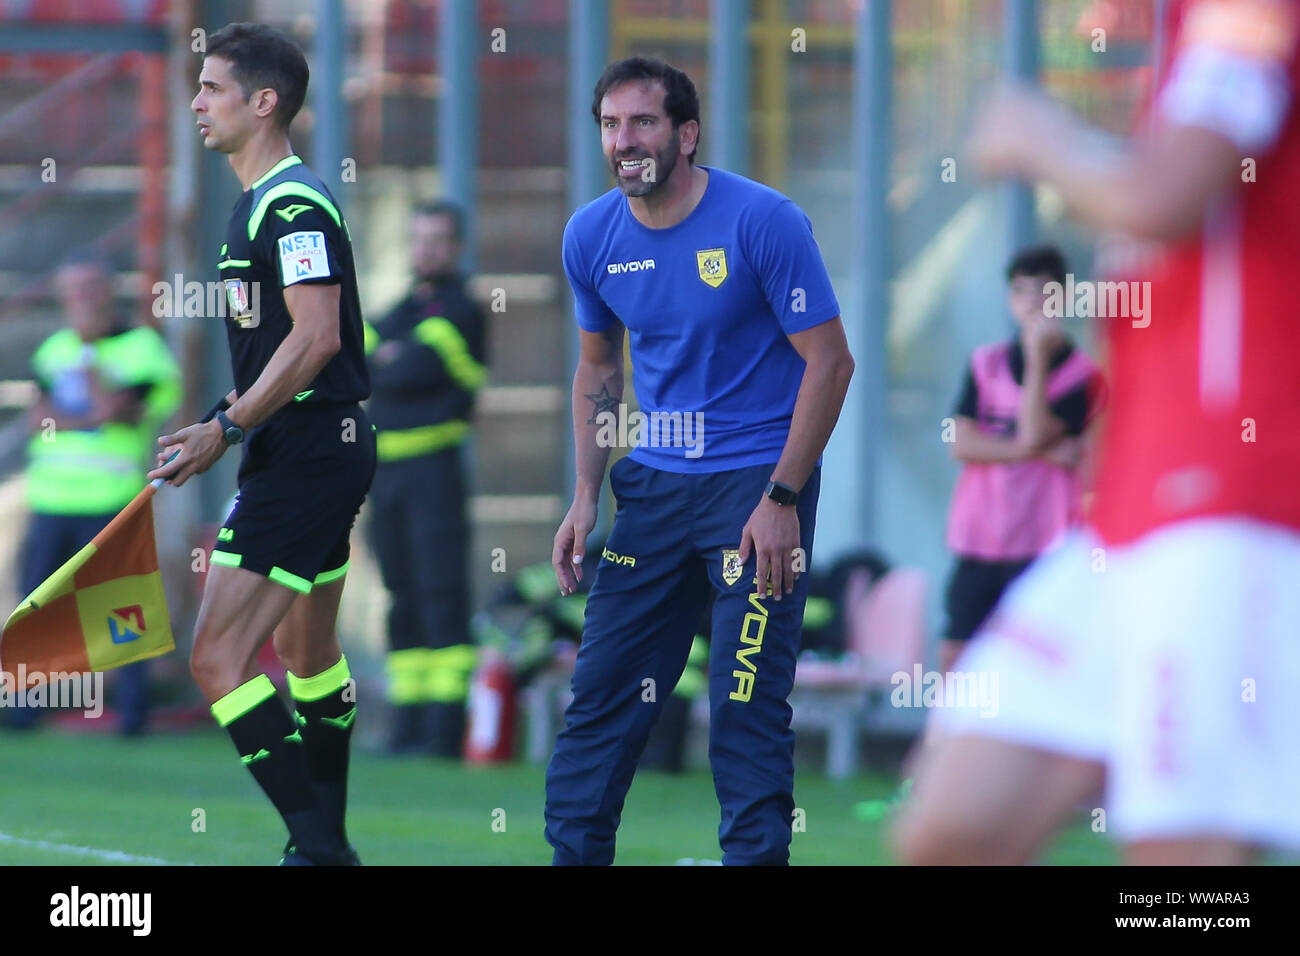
681	102
1044	260
261	57
444	207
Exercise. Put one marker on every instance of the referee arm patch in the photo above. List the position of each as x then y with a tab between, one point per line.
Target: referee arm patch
303	255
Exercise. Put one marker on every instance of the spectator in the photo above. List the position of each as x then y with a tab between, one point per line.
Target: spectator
1020	424
105	389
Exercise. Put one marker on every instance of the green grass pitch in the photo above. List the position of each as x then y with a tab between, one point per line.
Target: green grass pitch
82	799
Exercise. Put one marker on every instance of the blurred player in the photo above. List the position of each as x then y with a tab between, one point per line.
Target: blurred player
295	333
1157	653
734	329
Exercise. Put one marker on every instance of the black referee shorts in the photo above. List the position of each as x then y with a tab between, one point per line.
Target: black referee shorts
974	590
304	475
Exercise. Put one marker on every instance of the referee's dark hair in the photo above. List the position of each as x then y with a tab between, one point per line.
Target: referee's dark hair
681	102
1045	260
261	57
445	207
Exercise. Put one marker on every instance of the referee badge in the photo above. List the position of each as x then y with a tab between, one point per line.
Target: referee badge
241	309
713	266
731	566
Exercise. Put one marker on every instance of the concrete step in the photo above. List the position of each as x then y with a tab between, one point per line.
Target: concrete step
520	453
526	345
509	197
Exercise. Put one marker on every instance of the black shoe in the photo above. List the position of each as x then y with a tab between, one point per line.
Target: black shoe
295	857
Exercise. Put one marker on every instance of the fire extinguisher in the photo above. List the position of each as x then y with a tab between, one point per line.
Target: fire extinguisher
490	735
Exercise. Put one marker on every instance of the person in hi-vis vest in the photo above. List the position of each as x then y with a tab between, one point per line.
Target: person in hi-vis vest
105	388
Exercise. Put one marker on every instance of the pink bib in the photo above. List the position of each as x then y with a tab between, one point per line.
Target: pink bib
1009	511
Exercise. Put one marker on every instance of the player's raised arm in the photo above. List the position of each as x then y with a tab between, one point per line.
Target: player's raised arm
597	391
1157	189
1226	98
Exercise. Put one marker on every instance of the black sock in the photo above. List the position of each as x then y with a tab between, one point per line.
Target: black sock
272	748
327	710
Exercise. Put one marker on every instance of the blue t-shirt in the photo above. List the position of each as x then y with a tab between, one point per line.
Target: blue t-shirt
708	304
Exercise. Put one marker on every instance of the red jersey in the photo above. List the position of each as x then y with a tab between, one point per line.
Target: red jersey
1206	386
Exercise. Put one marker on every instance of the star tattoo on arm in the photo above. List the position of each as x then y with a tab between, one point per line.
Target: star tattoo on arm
604	402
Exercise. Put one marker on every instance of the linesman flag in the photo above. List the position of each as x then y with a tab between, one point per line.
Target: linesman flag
102	609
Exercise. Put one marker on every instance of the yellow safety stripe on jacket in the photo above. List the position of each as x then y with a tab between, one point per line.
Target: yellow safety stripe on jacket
399	443
439	334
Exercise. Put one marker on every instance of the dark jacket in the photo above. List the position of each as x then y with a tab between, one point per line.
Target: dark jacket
440	363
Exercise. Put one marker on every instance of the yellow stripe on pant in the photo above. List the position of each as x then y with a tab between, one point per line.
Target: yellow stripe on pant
421	675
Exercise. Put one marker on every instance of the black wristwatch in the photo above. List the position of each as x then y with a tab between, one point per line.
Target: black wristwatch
781	494
232	432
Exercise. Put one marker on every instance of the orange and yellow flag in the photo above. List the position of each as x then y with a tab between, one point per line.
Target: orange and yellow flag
104	608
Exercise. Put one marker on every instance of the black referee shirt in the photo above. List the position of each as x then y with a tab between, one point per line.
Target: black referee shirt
286	230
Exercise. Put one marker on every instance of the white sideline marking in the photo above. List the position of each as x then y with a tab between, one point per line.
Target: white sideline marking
112	856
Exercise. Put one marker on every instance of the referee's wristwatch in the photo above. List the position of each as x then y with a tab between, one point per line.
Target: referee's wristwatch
229	430
781	494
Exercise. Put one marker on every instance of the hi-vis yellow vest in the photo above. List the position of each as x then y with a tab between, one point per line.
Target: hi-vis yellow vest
100	471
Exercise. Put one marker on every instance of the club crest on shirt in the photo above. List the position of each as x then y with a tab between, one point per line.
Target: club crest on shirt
731	566
713	265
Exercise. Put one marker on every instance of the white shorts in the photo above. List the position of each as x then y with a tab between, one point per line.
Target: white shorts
1174	661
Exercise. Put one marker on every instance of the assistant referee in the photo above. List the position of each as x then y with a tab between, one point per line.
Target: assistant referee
741	367
296	344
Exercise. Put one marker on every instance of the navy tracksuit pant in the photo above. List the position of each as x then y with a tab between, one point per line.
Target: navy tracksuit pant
665	552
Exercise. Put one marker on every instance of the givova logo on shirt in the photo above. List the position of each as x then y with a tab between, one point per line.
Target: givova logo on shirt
632	265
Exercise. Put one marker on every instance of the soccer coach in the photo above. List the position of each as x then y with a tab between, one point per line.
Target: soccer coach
735	333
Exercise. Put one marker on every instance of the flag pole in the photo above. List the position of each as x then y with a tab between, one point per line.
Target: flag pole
159	482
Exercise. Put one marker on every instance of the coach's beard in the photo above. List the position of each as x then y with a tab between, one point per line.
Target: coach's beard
661	168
